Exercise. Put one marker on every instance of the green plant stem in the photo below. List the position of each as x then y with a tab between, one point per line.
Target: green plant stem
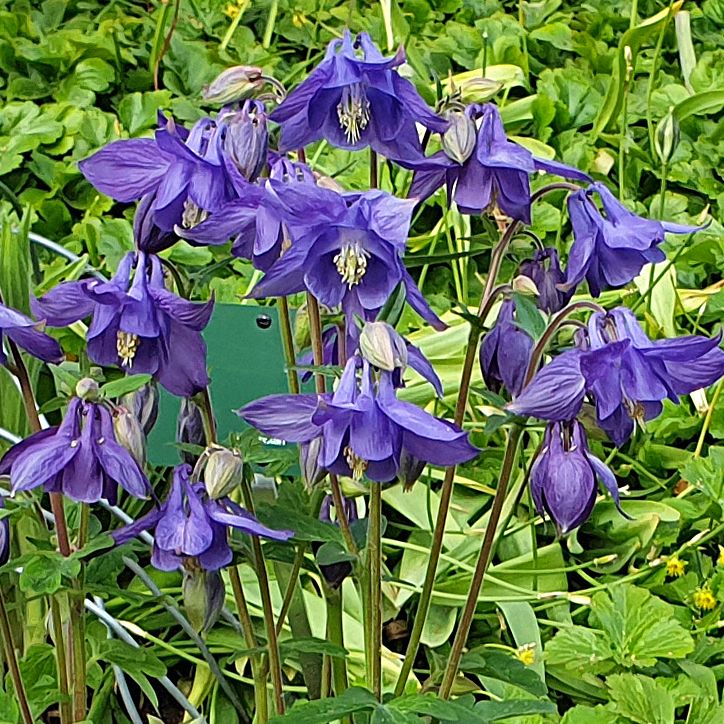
270	22
77	615
56	504
61	662
258	669
288	342
335	635
423	606
622	142
275	665
12	662
315	331
652	79
374	170
233	26
374	552
481	567
708	418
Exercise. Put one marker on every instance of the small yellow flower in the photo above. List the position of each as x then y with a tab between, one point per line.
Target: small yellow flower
298	19
526	654
704	598
232	10
675	567
720	558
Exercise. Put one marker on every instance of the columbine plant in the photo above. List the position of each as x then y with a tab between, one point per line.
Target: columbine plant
223	180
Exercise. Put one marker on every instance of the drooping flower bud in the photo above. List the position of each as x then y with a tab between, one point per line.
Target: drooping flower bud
190	428
667	136
129	433
203	596
234	84
312	471
143	403
523	284
458	141
409	470
383	347
223	472
246	138
505	352
87	389
544	269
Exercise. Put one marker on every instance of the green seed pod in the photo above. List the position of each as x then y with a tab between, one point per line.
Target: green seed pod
234	84
223	472
458	141
667	136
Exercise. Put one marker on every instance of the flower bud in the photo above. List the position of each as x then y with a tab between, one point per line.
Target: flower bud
129	433
667	136
223	472
234	84
382	346
87	389
190	428
458	141
203	596
525	285
143	403
312	471
409	470
246	139
335	573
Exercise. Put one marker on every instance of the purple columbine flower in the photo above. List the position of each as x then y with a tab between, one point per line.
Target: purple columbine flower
26	333
356	98
190	525
506	352
363	426
496	172
610	249
564	474
186	172
137	323
255	220
80	458
627	374
346	249
545	271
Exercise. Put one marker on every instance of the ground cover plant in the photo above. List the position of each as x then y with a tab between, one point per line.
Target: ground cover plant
361	362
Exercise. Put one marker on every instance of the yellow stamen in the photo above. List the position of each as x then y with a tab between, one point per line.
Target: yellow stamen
127	345
675	567
356	463
353	112
351	263
526	654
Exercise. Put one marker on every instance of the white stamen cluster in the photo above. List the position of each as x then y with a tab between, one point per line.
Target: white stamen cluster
353	112
351	263
127	345
192	215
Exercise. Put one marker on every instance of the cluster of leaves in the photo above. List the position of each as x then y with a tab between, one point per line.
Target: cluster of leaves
594	625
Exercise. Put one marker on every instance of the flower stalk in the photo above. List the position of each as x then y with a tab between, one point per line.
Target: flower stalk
12	662
374	552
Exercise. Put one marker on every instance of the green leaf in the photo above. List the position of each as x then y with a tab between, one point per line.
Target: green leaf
591	715
45	570
527	316
137	111
15	266
700	104
579	649
124	385
430	705
312	645
385	715
496	710
641	699
504	667
332	552
322	711
132	660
